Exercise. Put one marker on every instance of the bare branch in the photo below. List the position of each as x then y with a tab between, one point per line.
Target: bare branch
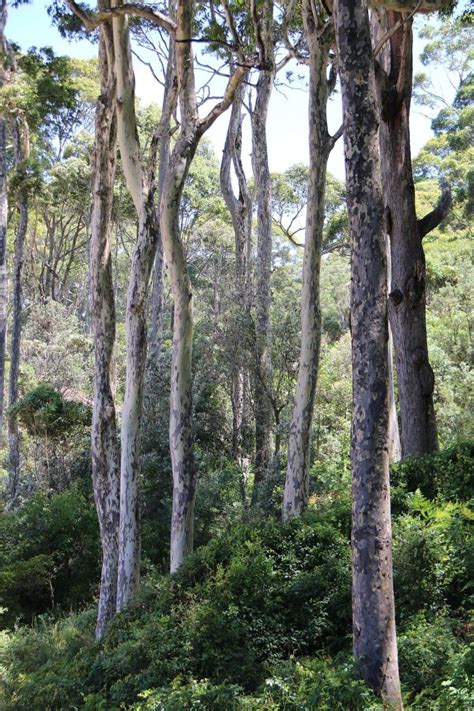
92	20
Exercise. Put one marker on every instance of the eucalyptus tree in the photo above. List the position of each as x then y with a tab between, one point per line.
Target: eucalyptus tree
407	298
319	35
192	128
374	633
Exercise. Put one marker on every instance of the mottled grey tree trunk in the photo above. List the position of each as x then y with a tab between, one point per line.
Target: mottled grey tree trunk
374	634
263	352
407	299
169	106
20	235
319	36
104	445
394	445
142	190
240	208
191	130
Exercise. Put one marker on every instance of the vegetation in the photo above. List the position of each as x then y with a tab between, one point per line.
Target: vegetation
201	405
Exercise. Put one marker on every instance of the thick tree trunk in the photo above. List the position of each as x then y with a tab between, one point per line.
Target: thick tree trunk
13	433
407	300
240	208
261	171
374	634
319	38
104	445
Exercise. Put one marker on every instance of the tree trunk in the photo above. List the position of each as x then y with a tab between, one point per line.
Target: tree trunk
374	635
240	208
5	49
104	445
261	171
407	300
169	106
142	190
13	433
319	36
394	445
191	131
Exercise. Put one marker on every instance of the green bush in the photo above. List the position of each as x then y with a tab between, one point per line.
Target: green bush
448	474
49	555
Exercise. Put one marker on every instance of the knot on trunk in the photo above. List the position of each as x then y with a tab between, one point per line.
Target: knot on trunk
415	286
396	297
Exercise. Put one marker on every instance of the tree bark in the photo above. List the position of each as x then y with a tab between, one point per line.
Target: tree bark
104	445
191	130
374	634
5	50
13	433
263	380
240	208
142	190
407	299
319	36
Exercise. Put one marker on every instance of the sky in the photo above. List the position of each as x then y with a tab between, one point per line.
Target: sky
29	25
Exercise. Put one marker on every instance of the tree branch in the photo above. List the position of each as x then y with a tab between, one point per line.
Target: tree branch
92	20
430	221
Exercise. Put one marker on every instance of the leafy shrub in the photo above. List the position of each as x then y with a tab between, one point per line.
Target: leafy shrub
448	474
49	555
433	554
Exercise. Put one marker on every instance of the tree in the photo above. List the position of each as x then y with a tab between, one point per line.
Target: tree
319	36
104	443
407	299
374	635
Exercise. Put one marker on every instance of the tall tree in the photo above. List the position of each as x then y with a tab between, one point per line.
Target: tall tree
407	298
104	444
192	128
20	133
319	33
374	635
5	68
263	29
240	208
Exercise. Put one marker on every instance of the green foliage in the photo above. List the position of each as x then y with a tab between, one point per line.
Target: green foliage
49	555
448	474
43	411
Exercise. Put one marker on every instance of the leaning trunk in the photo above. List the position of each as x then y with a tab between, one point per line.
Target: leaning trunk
374	635
295	495
13	433
104	446
407	301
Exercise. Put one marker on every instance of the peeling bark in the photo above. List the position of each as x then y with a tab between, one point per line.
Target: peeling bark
104	445
407	298
320	36
374	635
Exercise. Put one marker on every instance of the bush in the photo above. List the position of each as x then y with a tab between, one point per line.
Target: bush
49	555
448	474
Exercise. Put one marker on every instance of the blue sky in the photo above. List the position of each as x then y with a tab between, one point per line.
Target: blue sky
29	25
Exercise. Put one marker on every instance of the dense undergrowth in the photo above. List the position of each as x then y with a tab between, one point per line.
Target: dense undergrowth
259	617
